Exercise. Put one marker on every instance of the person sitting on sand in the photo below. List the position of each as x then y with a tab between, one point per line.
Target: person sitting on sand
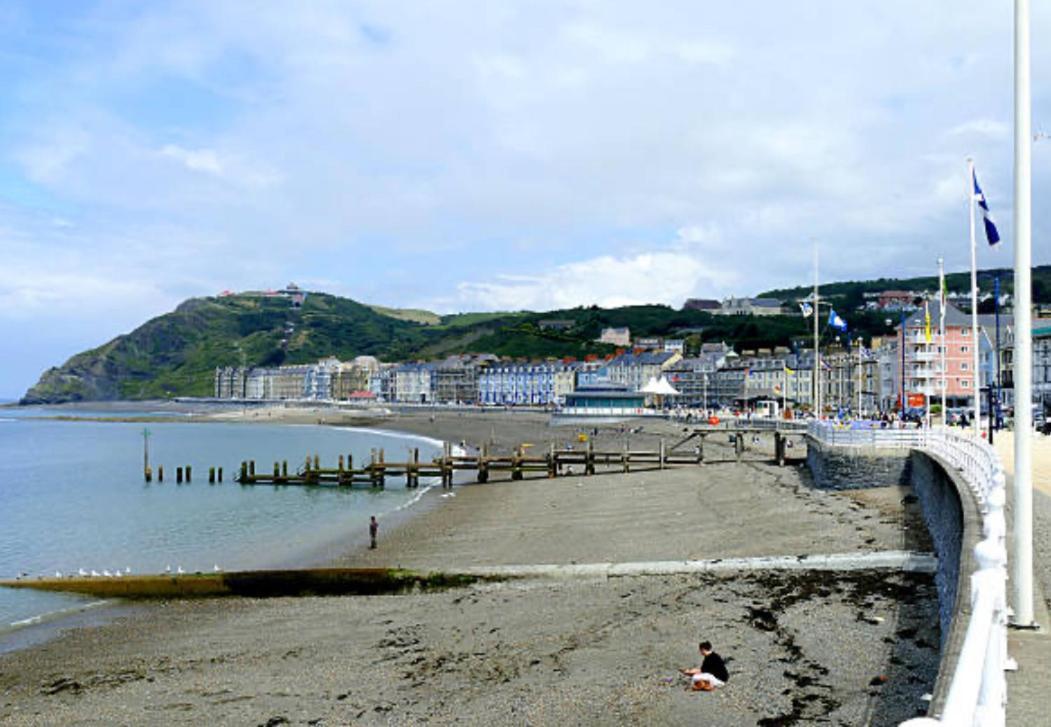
712	673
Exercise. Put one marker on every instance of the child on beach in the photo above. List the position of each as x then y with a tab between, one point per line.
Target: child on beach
712	673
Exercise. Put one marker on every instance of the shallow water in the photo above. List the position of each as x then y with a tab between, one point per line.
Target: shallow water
72	497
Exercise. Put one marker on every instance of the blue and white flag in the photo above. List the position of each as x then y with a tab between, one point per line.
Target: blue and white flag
836	322
807	309
991	233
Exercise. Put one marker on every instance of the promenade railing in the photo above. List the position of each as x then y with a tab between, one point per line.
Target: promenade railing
977	693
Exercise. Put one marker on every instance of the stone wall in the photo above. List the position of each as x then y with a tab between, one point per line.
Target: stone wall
851	468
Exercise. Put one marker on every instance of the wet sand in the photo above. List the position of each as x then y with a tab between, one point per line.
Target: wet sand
856	649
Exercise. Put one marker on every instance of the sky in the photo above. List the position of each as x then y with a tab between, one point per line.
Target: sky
499	155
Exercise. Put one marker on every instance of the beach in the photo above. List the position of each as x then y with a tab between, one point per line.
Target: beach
856	648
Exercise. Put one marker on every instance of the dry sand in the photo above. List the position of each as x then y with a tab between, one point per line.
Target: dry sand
852	649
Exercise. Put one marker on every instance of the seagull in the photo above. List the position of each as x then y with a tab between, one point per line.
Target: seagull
106	573
127	571
82	573
179	570
118	574
58	574
94	573
216	568
167	569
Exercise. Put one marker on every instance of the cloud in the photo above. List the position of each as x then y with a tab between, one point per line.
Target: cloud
981	127
668	276
200	160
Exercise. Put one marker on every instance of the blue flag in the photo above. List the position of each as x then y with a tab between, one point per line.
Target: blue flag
991	233
836	322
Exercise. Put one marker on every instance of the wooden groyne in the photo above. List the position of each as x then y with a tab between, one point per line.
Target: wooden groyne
253	584
521	461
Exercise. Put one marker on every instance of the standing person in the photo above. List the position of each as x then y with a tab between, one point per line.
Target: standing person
374	529
712	673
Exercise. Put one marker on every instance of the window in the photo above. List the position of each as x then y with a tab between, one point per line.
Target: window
966	384
964	349
963	366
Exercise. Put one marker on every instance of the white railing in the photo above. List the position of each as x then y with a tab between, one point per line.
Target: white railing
977	693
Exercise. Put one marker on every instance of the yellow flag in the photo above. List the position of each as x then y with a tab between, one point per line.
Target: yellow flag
927	321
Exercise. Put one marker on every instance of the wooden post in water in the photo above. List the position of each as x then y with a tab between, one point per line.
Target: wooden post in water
148	474
244	472
415	478
187	473
284	468
178	475
160	473
350	469
251	468
277	471
220	474
779	453
341	464
211	475
383	469
306	466
317	462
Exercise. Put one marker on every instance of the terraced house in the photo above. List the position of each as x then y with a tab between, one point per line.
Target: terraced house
511	384
634	370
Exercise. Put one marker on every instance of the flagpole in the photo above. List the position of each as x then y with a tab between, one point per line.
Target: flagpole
976	390
927	350
941	335
817	349
1022	556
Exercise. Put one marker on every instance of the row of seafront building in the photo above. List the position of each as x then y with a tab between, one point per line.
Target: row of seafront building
868	379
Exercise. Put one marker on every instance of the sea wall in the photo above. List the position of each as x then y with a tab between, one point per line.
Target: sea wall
851	468
949	512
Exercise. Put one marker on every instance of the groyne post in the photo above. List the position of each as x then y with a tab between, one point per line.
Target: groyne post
251	468
625	459
244	471
483	463
187	473
660	455
284	468
589	458
178	475
148	474
551	462
739	445
160	473
211	475
341	464
699	449
220	474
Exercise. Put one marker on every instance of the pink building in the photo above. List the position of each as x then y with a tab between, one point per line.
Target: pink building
923	360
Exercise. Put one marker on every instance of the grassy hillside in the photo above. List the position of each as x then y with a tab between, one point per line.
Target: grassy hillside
851	292
176	354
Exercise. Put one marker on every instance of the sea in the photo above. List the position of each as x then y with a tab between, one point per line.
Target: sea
73	498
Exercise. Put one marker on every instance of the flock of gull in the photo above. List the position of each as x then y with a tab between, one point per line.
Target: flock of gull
117	573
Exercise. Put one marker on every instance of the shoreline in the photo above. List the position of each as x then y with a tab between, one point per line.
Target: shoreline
551	651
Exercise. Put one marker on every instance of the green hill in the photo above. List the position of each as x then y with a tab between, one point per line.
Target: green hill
176	354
